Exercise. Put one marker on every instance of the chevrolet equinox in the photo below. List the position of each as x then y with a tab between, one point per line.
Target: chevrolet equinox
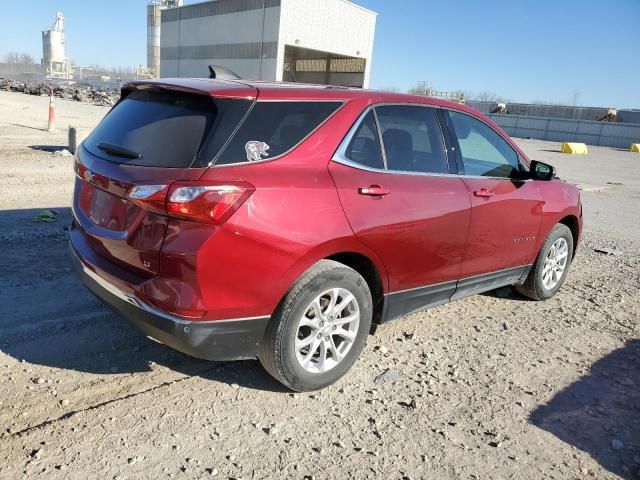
234	220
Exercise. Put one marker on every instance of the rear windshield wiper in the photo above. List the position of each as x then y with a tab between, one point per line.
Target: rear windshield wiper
118	151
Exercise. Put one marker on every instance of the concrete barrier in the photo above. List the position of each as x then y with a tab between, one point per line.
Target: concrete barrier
603	134
574	148
635	147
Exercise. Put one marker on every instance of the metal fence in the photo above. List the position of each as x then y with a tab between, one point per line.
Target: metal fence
551	111
557	111
606	134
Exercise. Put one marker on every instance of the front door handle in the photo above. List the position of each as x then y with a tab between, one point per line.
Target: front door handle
484	193
374	191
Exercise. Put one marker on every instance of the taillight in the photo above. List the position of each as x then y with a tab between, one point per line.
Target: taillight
207	202
204	202
150	197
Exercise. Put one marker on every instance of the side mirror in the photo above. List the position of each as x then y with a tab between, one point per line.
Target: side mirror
541	171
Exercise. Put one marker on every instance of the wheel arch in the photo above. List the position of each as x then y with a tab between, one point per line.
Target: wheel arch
571	221
351	253
368	270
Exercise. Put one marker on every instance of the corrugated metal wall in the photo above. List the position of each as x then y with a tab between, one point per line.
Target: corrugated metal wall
553	111
236	34
629	116
606	134
219	7
557	111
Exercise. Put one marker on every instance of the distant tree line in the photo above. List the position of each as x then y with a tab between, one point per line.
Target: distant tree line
424	89
16	58
24	59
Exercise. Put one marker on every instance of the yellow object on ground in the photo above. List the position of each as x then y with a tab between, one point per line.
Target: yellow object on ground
635	147
574	148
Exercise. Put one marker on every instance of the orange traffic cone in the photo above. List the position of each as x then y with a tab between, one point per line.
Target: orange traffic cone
52	114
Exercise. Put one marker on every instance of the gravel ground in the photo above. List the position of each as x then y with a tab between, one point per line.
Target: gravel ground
493	386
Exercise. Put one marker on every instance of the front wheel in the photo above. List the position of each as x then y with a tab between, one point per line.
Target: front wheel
320	328
550	269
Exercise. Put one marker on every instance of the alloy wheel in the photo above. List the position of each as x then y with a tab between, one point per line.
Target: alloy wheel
555	264
327	330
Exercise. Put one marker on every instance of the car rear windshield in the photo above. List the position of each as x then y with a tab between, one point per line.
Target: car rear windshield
163	128
273	128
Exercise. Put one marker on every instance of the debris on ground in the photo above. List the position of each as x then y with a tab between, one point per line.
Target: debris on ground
46	216
412	404
80	92
62	153
389	376
607	251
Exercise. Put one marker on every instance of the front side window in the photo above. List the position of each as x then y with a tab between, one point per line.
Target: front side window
364	147
274	128
412	139
484	152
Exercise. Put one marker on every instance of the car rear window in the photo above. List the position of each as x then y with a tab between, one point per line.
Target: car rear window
161	128
273	128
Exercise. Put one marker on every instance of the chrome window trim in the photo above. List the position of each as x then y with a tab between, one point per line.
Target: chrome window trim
213	164
340	155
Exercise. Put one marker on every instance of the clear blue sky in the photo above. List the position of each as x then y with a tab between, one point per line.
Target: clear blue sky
521	49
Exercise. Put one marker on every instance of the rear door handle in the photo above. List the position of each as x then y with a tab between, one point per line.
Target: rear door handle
374	191
484	193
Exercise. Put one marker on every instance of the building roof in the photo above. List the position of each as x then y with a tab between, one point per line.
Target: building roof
360	7
352	3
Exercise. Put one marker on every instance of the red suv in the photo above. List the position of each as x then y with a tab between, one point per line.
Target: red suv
232	219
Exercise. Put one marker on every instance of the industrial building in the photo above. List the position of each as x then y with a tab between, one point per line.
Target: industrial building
310	41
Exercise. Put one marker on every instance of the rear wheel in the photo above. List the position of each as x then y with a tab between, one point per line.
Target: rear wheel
550	269
319	329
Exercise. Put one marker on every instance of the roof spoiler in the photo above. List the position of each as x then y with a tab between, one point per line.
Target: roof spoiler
222	73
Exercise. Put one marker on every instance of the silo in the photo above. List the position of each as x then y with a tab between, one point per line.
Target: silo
153	36
154	21
53	53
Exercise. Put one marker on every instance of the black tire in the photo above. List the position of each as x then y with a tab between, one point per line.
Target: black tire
276	351
533	286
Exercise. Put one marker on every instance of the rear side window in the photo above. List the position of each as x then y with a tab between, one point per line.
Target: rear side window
364	148
412	139
274	128
160	128
484	152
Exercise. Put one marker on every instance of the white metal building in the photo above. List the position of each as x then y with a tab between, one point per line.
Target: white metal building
311	41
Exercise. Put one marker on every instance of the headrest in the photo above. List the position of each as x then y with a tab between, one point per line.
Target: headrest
396	139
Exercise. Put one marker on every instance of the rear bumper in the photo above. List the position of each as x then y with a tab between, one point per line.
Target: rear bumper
210	340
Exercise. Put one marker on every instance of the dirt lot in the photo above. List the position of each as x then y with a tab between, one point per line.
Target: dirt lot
494	386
